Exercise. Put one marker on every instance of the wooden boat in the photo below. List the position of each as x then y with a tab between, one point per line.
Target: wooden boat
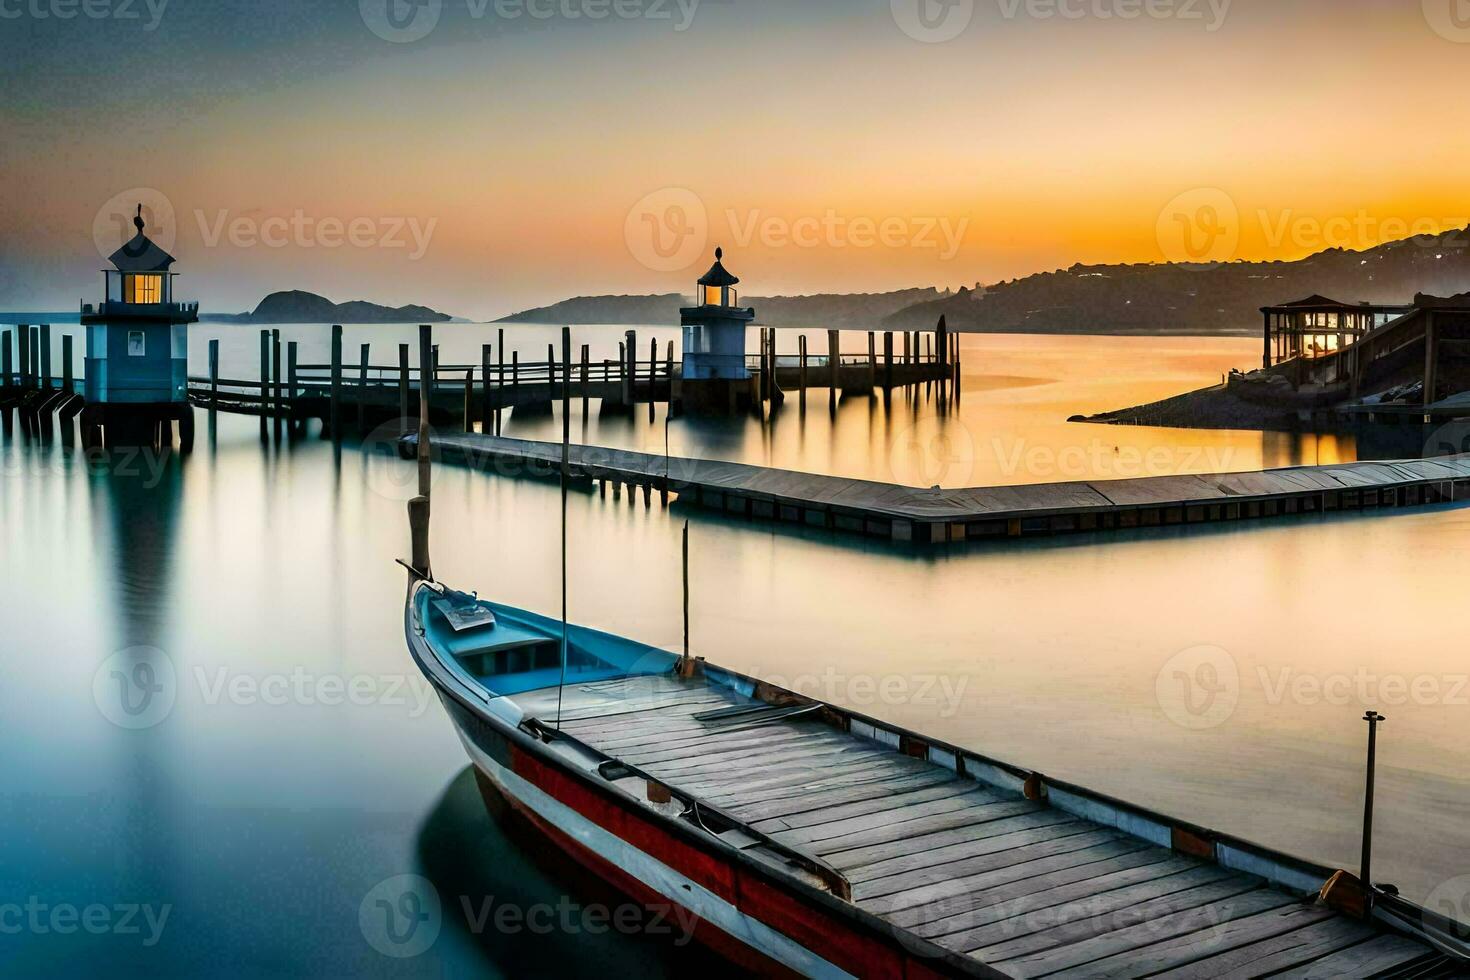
804	838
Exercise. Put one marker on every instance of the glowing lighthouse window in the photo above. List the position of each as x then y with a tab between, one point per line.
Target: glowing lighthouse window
143	289
712	296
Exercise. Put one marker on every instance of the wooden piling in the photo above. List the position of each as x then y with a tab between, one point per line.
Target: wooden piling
586	370
6	367
24	351
887	360
265	378
1431	358
35	357
335	413
551	372
277	389
872	361
834	366
434	377
469	398
499	374
293	386
214	375
669	370
67	381
362	387
629	355
405	422
45	357
652	370
515	374
486	352
801	370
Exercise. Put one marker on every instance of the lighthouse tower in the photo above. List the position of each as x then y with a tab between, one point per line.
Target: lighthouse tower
137	366
715	378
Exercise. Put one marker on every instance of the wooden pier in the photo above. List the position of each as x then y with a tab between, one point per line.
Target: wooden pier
902	513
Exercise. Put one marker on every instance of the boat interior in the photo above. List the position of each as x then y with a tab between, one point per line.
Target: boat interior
1032	877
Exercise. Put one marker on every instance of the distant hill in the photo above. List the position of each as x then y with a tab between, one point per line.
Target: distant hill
1216	299
297	306
851	311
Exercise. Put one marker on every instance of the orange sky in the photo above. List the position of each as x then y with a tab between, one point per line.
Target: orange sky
823	147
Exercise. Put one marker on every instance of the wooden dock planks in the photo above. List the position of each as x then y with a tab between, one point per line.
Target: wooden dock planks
934	515
1029	890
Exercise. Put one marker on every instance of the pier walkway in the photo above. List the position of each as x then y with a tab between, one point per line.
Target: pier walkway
930	516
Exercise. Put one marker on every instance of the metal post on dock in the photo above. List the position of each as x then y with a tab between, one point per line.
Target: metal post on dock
499	374
214	375
278	389
1373	719
586	370
335	412
45	357
551	372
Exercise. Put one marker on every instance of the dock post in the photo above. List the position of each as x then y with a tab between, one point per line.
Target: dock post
652	369
486	351
586	367
405	383
265	379
469	400
276	387
214	375
629	355
908	350
1431	358
801	372
551	372
362	386
515	373
434	377
6	367
24	349
669	369
887	360
499	374
45	357
941	344
293	353
35	357
335	414
834	365
418	508
872	362
67	381
1365	875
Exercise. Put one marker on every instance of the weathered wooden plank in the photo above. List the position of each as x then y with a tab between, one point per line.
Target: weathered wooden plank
901	815
800	779
1386	952
912	904
838	796
710	744
922	828
1091	915
771	758
968	849
980	908
1182	950
1153	923
875	808
1004	825
1298	947
1016	859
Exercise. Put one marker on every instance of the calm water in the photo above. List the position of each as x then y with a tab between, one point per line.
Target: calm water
1215	674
